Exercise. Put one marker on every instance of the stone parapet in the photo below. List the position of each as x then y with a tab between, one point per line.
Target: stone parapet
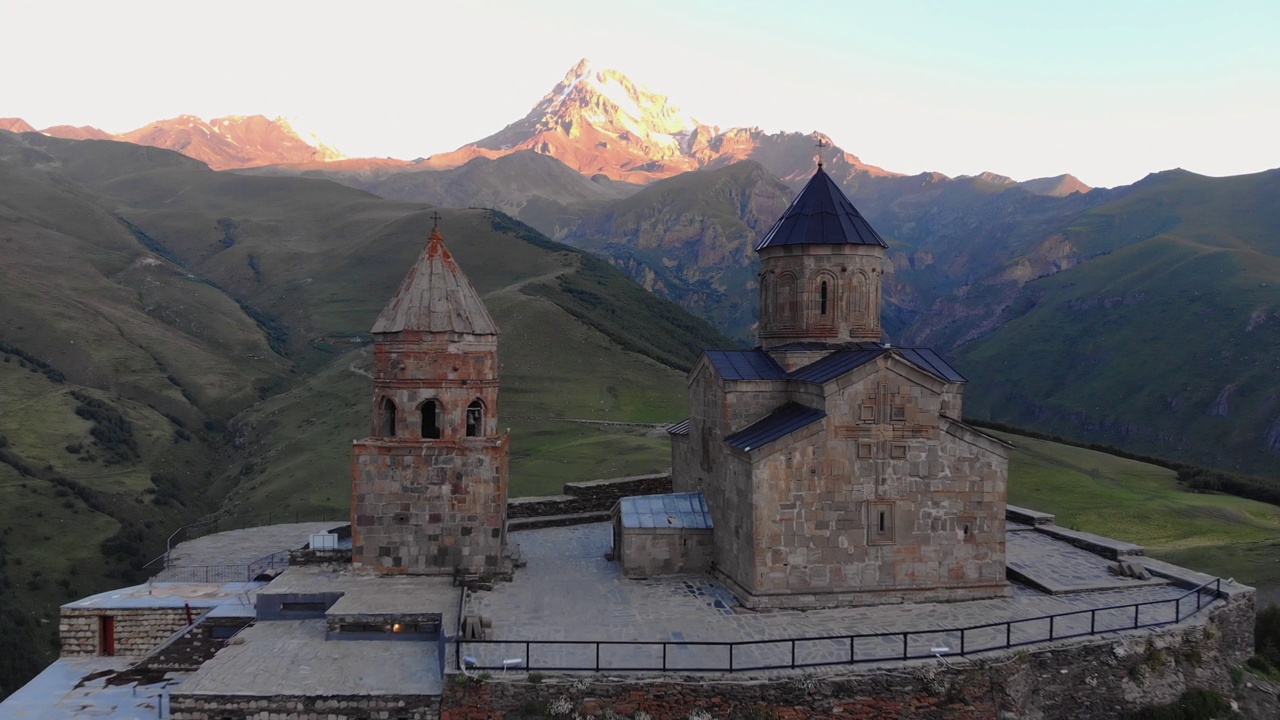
589	496
1107	678
1106	547
286	707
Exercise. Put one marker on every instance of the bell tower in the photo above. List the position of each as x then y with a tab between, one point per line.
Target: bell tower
429	486
821	266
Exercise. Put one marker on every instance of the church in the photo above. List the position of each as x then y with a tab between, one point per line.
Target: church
834	467
822	468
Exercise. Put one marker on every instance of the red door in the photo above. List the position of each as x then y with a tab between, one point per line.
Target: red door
106	635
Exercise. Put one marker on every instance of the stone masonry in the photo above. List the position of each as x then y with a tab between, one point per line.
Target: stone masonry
429	487
798	521
138	631
308	707
835	468
1104	679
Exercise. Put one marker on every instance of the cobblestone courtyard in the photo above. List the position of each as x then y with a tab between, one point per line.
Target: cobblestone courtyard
569	591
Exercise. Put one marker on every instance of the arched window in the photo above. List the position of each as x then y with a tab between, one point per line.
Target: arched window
766	302
475	418
822	299
431	420
786	299
387	418
858	299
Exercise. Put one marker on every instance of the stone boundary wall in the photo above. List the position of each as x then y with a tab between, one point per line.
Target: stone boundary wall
137	631
296	707
589	496
1088	680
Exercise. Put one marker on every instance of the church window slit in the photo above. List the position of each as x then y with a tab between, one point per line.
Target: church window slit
475	418
430	420
822	298
880	527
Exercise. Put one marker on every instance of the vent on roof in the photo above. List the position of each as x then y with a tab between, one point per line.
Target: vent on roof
323	541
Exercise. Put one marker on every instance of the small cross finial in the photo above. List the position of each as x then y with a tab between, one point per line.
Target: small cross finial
821	144
435	216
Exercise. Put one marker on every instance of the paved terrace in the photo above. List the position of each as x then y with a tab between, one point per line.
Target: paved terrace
569	591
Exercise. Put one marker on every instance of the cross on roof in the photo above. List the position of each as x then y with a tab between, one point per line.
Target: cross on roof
821	144
436	217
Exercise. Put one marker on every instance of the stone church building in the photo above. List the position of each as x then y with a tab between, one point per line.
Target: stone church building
835	467
429	486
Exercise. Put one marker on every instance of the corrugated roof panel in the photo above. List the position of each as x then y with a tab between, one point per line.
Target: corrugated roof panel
931	362
781	422
836	364
821	214
680	428
745	365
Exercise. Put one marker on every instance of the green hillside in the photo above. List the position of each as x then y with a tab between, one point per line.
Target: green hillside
177	341
691	239
1164	340
1092	491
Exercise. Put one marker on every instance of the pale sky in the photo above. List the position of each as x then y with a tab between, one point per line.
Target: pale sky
1108	91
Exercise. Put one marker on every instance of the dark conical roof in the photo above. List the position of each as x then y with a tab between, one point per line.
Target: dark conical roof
436	297
821	215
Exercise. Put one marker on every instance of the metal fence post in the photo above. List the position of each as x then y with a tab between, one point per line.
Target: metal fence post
793	653
852	656
1136	608
664	657
904	646
597	657
1008	634
1093	620
731	646
962	641
526	655
1051	619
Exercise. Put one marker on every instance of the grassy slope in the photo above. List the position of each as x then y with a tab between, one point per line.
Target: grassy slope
1143	341
163	288
690	237
1130	500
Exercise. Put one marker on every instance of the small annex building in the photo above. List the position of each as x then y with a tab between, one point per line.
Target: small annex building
662	534
835	467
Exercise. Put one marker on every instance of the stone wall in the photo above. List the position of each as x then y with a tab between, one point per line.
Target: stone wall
798	521
791	298
589	496
430	507
285	707
650	552
137	631
1101	680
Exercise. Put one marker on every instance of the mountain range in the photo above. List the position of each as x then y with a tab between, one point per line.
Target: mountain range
177	341
232	142
604	164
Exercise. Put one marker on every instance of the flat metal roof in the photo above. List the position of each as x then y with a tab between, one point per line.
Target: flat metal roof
686	510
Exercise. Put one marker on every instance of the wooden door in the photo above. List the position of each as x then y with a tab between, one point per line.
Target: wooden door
106	635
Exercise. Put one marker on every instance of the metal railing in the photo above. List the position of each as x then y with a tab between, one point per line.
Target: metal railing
827	650
209	526
224	573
